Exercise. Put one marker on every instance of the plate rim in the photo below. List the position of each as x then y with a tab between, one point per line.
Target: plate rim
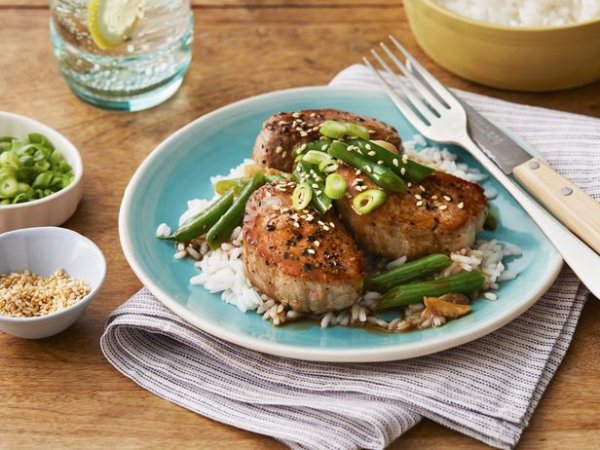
390	353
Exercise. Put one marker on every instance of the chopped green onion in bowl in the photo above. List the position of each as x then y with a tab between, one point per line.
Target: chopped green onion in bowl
31	169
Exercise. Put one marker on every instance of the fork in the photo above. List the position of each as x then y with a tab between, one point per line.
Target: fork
440	116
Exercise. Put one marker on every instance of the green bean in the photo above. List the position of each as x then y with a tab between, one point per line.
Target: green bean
304	172
382	176
406	294
407	272
221	231
321	145
406	168
491	222
200	223
237	184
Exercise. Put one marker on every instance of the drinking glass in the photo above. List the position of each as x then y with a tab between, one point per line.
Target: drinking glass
125	67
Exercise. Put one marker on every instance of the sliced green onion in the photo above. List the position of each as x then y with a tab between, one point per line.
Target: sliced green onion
316	157
329	166
357	130
367	201
8	187
301	196
31	169
9	159
43	180
335	186
333	129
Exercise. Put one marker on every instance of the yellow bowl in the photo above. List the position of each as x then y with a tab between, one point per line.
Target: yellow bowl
515	58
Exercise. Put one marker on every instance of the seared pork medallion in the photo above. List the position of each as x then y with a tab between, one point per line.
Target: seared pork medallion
286	235
441	214
304	260
282	133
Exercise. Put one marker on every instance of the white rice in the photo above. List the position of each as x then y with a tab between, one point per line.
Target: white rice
222	270
526	13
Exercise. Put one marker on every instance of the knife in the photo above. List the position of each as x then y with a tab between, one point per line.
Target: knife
573	207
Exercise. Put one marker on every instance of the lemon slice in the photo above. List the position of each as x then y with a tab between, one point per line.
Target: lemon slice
111	21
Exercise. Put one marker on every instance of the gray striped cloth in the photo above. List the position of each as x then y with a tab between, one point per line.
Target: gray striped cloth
487	389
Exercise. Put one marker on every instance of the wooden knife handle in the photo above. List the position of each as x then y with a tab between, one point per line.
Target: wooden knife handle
573	207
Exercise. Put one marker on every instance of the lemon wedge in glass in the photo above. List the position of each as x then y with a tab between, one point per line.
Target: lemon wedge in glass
111	21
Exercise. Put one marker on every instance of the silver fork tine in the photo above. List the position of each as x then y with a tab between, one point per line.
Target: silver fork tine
417	103
417	122
420	88
427	78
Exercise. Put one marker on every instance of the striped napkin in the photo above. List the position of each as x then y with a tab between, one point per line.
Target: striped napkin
487	389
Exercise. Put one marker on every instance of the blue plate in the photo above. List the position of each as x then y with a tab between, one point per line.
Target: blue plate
179	169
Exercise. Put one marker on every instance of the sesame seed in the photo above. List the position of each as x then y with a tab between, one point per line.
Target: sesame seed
325	228
395	162
303	133
404	159
420	203
317	244
332	225
282	122
284	154
301	149
461	205
371	153
403	171
358	172
434	197
418	197
296	224
317	192
296	115
447	198
311	251
380	162
368	146
442	207
324	147
279	149
368	169
320	222
310	217
409	184
421	188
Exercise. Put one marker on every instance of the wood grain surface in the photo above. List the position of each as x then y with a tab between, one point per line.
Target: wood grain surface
60	392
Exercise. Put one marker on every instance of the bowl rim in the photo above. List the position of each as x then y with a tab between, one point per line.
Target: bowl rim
506	28
85	300
66	146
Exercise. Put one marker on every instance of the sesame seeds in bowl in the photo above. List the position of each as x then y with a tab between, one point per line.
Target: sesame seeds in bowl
52	275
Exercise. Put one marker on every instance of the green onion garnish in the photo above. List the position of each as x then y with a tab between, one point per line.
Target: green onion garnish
31	169
333	129
335	186
301	196
367	201
316	157
360	131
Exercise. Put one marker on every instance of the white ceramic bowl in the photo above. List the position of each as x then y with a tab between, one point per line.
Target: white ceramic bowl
56	208
42	251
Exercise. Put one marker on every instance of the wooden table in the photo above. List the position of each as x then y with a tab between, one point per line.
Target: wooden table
60	392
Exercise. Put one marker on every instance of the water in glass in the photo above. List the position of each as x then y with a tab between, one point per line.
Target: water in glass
141	70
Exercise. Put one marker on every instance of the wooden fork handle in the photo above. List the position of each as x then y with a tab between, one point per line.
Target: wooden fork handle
573	207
